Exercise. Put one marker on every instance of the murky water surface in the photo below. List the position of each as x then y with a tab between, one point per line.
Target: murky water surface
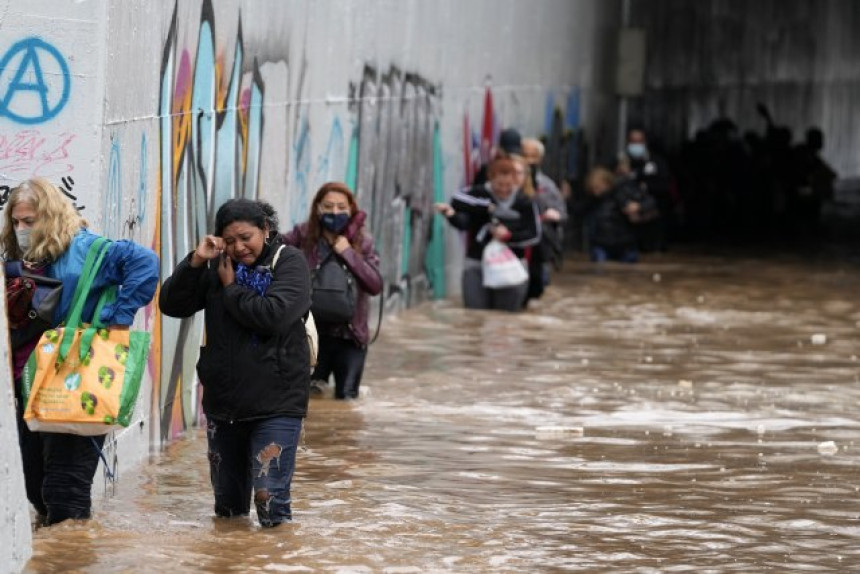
706	415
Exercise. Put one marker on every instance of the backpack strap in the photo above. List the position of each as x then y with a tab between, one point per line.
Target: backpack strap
275	262
275	258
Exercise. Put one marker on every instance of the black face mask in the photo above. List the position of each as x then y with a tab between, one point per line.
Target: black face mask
534	169
334	222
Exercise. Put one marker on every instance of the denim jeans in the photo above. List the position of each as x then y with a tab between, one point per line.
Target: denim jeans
344	359
599	254
258	456
58	471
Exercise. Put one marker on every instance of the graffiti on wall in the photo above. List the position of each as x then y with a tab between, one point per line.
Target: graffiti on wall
65	186
211	129
30	152
211	132
36	85
396	141
29	72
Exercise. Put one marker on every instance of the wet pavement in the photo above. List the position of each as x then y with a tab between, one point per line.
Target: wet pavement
693	413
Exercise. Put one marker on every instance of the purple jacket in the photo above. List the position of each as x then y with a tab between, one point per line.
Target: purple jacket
364	267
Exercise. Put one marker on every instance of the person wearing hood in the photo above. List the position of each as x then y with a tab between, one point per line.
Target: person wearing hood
335	229
494	210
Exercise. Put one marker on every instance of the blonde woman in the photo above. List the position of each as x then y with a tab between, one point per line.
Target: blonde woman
44	231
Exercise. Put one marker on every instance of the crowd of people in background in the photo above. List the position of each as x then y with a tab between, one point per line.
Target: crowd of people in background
719	184
751	184
510	201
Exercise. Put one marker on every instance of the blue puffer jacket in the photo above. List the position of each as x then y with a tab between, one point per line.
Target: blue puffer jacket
131	266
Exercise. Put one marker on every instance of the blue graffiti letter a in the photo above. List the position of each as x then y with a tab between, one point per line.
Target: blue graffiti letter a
29	60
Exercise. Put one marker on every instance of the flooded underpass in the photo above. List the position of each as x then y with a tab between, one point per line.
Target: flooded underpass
688	414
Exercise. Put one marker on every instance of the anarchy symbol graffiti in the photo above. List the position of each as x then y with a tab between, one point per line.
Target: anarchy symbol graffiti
30	75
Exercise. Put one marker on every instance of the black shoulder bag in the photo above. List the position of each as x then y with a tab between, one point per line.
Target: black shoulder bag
333	291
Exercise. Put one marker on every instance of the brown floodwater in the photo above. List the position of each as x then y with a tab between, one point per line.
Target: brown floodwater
693	413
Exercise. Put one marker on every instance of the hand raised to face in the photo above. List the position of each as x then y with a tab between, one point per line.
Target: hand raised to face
225	270
209	248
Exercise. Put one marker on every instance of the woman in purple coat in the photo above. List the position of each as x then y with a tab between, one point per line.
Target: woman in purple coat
335	228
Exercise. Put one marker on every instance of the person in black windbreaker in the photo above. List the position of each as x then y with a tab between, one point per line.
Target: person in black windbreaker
612	210
255	367
494	210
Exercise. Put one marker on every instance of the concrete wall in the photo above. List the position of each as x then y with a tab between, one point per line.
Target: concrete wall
14	514
720	57
151	114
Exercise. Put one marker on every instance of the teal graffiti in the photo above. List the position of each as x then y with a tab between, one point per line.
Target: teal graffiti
435	258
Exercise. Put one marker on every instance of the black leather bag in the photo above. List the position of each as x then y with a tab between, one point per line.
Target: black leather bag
30	302
333	291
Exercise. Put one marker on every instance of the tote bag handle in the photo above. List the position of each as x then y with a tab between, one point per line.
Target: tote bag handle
95	256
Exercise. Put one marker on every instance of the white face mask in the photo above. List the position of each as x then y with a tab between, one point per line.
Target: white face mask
23	238
637	150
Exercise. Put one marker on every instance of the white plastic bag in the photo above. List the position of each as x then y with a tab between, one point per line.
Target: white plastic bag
501	267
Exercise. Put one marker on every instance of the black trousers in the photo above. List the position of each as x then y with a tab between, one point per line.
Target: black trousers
58	470
344	359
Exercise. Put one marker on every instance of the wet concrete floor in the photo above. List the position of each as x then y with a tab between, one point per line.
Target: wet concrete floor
693	413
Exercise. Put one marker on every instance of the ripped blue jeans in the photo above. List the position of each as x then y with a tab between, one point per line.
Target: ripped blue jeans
258	456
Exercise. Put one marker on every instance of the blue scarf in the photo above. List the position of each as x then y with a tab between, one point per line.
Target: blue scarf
256	279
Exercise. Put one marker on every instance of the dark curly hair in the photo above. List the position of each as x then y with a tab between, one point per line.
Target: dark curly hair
256	212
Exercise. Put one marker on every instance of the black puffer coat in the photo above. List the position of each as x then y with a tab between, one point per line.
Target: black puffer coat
255	363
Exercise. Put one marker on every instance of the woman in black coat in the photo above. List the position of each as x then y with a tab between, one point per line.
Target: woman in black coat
255	367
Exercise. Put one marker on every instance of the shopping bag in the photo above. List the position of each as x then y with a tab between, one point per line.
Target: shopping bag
501	267
84	378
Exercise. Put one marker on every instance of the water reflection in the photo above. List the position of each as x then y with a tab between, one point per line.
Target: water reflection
653	418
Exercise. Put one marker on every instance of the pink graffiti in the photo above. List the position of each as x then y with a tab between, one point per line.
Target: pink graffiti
245	100
28	153
183	77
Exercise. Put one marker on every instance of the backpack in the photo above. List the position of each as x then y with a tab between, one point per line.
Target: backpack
308	320
30	302
333	291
